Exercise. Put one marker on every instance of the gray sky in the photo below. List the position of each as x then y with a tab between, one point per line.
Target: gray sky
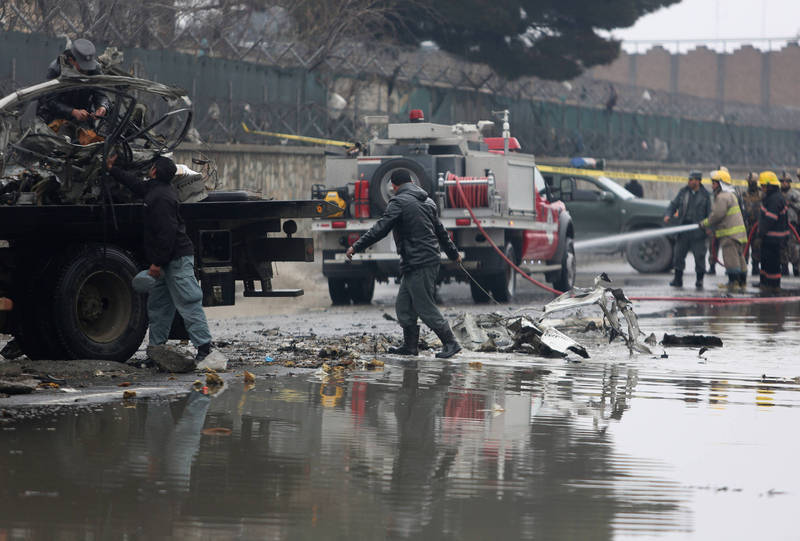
714	19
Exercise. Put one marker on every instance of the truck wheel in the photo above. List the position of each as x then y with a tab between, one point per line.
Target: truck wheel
380	186
566	277
337	289
504	285
478	296
98	315
650	255
361	290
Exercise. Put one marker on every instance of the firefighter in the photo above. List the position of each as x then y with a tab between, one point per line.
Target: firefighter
729	231
690	206
751	208
773	230
420	237
790	253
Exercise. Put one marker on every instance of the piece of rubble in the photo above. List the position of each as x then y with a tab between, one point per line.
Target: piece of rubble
213	361
171	359
692	340
19	386
612	301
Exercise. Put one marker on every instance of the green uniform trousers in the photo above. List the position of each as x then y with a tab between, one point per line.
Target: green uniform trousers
415	298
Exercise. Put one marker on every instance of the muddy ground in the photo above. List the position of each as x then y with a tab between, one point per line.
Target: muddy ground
272	337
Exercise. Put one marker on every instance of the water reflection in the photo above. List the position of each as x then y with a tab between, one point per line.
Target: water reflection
431	451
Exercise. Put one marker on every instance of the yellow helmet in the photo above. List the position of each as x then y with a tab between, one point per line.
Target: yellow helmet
768	178
721	175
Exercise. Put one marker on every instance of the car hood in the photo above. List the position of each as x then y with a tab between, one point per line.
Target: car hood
646	206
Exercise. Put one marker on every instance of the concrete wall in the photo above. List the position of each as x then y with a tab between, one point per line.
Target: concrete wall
746	75
286	172
279	172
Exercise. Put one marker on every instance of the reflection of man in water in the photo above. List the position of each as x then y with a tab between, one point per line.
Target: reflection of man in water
414	466
172	445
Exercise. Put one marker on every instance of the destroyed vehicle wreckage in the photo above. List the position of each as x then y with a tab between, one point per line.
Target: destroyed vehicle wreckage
72	237
522	333
47	164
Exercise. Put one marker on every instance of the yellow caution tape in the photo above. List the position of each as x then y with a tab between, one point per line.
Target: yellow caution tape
623	175
303	138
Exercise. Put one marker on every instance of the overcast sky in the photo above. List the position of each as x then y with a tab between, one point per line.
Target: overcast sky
714	19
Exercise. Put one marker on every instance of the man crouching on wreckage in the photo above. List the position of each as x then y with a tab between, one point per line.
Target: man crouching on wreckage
420	236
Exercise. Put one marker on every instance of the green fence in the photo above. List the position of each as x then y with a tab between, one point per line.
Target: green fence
294	100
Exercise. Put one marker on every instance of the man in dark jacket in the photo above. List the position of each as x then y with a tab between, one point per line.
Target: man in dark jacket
690	206
78	105
170	253
751	208
420	237
773	230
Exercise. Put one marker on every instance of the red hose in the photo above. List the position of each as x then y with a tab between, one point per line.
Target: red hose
499	251
703	300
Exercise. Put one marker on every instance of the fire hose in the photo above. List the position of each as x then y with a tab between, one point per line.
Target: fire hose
715	300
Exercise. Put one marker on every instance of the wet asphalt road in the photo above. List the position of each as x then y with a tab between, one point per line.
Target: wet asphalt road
676	444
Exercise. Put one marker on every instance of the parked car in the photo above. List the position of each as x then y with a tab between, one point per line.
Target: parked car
600	207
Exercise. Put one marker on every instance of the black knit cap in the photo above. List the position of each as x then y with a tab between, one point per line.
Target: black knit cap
400	176
165	169
695	175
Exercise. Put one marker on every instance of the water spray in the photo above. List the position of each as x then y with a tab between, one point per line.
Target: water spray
634	235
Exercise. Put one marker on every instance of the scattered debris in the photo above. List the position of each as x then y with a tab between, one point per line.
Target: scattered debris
127	395
124	384
692	340
477	365
213	361
612	301
217	431
213	379
19	386
249	377
170	358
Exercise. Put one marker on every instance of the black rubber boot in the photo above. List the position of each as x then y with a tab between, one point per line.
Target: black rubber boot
784	269
203	351
743	281
698	283
755	271
678	280
712	269
410	342
450	345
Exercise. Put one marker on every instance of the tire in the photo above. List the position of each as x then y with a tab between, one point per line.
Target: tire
650	255
361	290
97	313
478	296
380	190
566	276
504	285
337	289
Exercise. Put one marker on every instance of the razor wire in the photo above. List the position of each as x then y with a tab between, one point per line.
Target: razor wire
218	118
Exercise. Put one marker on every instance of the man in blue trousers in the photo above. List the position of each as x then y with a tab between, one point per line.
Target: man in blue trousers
170	253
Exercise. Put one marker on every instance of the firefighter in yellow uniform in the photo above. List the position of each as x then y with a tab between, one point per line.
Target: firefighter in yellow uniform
728	225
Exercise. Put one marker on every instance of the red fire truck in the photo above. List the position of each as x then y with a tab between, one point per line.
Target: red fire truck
462	171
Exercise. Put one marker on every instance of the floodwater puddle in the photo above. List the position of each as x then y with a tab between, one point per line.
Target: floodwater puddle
485	446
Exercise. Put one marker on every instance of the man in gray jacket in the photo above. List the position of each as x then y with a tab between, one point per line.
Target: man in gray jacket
690	206
420	237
